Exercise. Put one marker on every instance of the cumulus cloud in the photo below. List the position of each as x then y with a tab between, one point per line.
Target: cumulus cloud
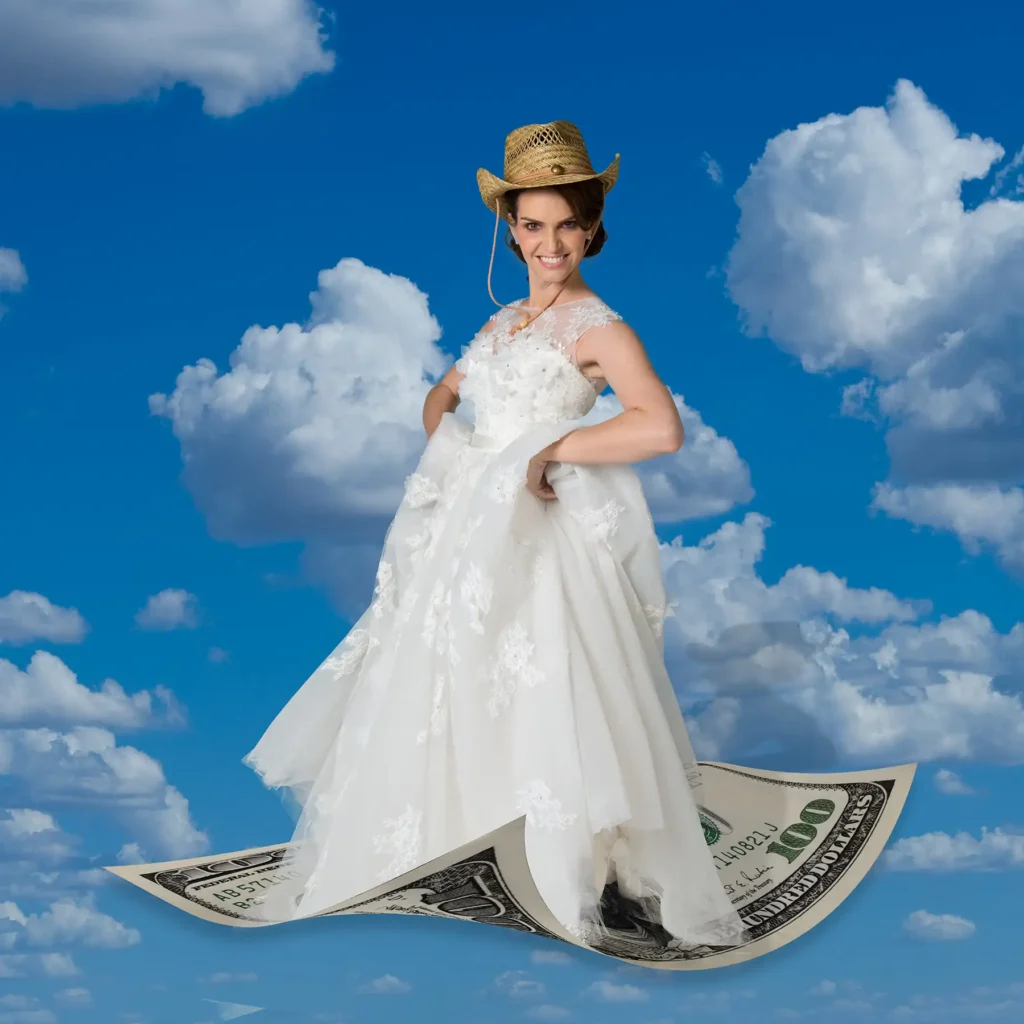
34	836
951	784
57	750
170	609
610	992
231	1011
856	250
85	766
73	997
12	271
995	850
517	984
311	432
712	168
25	617
52	965
547	1011
815	672
938	927
47	691
548	957
67	53
69	922
386	984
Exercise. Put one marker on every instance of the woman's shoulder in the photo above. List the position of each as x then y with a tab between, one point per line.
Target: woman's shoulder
593	311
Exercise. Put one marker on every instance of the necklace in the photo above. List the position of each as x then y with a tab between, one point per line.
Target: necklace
516	328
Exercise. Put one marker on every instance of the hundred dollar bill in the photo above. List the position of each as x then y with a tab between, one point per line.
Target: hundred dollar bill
789	849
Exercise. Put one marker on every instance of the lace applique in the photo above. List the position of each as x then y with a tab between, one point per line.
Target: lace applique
541	807
600	523
420	490
437	617
511	667
586	315
402	840
384	592
438	709
353	650
505	484
656	615
534	560
406	605
477	593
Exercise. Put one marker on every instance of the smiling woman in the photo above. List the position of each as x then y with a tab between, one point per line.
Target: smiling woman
559	240
511	662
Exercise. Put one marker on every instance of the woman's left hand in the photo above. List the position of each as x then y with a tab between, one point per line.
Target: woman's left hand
536	481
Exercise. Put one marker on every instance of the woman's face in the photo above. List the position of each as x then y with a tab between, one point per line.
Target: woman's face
548	234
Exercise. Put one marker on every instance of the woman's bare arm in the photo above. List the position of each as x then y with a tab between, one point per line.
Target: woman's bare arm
649	424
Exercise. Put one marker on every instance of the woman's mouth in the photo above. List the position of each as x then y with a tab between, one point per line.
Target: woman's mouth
553	261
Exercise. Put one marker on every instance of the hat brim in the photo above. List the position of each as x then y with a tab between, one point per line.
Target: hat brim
492	187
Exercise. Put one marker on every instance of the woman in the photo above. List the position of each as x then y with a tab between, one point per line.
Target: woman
511	661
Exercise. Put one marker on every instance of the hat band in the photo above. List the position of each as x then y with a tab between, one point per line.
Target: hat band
548	173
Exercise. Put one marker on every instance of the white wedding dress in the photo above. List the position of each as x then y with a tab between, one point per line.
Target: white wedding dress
510	663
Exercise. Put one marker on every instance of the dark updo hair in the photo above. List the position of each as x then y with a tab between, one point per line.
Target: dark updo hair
585	198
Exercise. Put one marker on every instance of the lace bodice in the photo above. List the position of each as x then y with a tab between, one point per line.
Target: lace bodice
515	381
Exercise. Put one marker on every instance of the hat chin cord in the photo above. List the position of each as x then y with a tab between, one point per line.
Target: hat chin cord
490	267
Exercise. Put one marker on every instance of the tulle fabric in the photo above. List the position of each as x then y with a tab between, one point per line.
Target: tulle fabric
510	663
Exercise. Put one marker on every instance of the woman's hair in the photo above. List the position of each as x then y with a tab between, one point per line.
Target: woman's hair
586	199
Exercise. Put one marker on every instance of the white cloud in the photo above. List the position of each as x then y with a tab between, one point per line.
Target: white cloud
386	984
58	965
550	956
25	617
231	1011
47	691
951	784
815	669
35	1016
547	1011
67	922
824	988
66	53
980	514
610	992
995	850
86	767
855	250
73	997
312	431
517	984
12	271
712	167
938	927
33	835
170	609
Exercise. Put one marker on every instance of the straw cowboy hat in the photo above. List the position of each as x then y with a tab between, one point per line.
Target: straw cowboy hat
540	155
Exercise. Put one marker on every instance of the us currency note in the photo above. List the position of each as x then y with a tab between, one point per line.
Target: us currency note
789	849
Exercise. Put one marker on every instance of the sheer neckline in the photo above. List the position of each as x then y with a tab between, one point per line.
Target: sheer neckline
521	303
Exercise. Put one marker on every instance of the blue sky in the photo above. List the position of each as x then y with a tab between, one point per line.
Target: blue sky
836	307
